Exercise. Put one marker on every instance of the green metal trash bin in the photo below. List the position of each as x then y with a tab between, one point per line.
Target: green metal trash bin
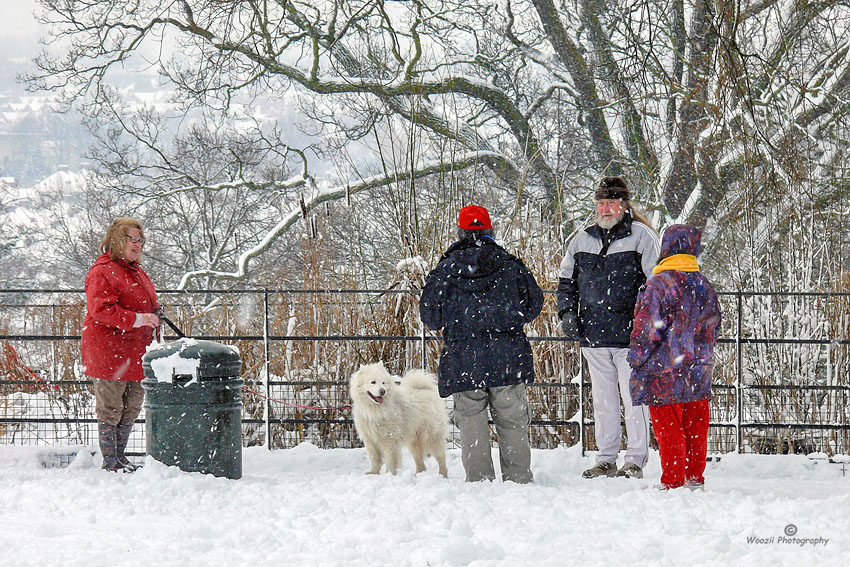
193	406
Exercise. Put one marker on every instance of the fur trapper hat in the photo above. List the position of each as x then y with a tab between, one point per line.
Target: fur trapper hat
612	188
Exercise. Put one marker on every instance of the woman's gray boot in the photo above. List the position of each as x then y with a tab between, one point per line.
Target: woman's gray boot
125	427
107	435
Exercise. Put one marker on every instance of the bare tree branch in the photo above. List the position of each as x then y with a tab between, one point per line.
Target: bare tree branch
342	192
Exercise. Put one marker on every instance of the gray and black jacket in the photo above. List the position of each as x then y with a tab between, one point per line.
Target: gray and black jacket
601	275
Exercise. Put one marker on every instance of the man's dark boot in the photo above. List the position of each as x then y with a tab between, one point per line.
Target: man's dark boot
125	427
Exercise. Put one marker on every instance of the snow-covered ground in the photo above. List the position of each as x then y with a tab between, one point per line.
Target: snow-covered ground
312	507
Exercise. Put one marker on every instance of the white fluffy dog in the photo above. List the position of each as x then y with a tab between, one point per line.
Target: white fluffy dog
389	416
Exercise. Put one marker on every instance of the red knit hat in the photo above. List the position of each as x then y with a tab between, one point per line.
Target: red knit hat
473	217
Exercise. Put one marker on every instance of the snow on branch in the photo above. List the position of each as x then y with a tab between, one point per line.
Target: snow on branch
291	183
491	159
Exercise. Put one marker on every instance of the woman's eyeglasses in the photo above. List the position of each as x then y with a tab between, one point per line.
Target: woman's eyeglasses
135	240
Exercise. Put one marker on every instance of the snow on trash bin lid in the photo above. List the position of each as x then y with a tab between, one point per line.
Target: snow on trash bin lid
190	357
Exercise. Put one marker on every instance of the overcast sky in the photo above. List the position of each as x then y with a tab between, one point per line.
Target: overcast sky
17	18
21	32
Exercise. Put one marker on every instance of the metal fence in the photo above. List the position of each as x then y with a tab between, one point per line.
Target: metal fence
782	379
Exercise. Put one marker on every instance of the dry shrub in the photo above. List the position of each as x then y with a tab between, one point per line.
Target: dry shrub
74	398
555	395
837	314
53	367
16	376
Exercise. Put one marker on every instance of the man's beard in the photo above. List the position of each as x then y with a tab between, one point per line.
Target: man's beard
608	224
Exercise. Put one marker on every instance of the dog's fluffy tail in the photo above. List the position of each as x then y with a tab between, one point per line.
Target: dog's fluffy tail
419	380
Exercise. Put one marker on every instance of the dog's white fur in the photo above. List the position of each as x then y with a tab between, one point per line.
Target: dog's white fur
389	415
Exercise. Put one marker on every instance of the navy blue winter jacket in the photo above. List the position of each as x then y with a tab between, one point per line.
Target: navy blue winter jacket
481	296
601	274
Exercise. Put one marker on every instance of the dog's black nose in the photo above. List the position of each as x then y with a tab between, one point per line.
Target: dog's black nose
383	391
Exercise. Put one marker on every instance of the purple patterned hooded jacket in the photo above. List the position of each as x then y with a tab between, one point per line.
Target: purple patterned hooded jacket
677	319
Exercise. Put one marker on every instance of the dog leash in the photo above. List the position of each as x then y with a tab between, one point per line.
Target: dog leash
256	393
180	334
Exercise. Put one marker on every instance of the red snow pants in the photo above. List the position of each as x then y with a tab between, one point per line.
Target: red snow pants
682	434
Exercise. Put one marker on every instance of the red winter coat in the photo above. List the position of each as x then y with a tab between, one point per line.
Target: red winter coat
115	291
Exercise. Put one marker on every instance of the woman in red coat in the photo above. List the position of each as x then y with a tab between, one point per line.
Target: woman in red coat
121	321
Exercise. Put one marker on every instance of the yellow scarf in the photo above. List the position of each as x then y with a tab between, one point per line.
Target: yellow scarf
680	262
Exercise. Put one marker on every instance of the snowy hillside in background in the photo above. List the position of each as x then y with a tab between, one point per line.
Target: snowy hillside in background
35	222
68	185
312	507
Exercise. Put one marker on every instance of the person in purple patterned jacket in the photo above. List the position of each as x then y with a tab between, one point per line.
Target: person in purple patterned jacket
677	320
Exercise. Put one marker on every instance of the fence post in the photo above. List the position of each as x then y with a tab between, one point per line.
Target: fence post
739	390
267	406
423	340
581	423
424	351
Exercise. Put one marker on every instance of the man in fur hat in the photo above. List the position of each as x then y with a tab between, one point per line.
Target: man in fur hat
601	274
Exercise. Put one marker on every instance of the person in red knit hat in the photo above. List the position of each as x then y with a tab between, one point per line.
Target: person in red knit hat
121	321
481	296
